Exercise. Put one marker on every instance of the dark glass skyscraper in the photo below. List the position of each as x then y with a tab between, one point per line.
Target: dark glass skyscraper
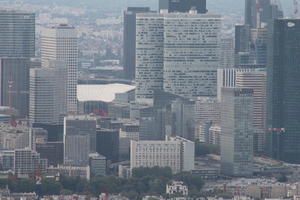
129	40
283	112
261	11
183	5
14	84
17	34
17	46
251	13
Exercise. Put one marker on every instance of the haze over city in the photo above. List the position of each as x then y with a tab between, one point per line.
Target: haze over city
149	99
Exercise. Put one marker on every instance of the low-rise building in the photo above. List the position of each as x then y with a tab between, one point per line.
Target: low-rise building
28	162
83	172
175	152
129	131
256	188
124	171
177	188
97	164
14	137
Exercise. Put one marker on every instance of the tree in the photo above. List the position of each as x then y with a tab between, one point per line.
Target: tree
154	171
75	184
202	149
192	180
21	185
157	186
50	186
282	178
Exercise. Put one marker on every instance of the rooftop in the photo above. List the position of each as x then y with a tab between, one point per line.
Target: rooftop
105	92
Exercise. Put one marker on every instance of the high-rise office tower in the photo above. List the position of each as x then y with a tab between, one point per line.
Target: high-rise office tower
243	50
251	13
227	53
52	151
183	5
267	11
237	132
259	13
82	124
61	43
227	78
129	34
207	110
183	112
17	34
259	37
184	66
242	38
191	54
14	77
256	80
207	114
48	94
149	56
283	97
108	143
17	46
79	139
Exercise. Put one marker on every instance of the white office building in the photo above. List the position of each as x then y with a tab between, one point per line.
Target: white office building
149	56
175	152
61	43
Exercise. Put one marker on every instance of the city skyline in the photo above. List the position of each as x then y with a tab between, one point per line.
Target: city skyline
199	100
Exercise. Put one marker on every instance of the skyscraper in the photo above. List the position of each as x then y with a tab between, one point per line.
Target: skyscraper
108	143
14	77
259	13
129	34
149	56
177	53
61	43
79	139
251	13
48	94
283	97
191	54
256	80
243	49
17	34
17	46
237	132
227	52
183	5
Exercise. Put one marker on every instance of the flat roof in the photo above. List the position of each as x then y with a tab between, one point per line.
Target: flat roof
102	92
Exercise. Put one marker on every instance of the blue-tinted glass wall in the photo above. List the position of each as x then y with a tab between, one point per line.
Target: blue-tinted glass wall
283	112
129	35
183	5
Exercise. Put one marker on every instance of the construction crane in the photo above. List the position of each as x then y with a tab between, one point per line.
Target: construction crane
296	10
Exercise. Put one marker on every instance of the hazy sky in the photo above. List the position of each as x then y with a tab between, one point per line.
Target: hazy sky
214	6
